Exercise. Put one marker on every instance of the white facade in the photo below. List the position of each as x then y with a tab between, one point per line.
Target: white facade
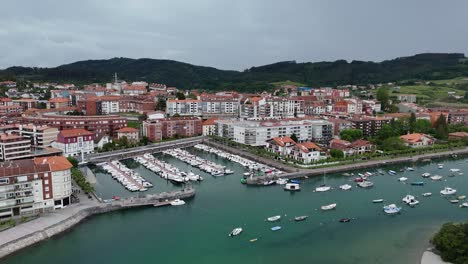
184	107
110	107
61	186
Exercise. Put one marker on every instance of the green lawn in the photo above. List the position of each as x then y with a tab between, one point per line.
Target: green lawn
428	93
278	84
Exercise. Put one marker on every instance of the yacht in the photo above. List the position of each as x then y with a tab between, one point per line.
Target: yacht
436	178
177	202
345	187
391	209
365	184
408	199
274	218
448	191
235	231
323	188
328	207
292	187
454	170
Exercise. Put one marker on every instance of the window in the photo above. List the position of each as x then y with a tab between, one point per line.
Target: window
4	181
47	188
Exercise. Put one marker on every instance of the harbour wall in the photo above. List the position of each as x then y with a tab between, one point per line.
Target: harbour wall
79	216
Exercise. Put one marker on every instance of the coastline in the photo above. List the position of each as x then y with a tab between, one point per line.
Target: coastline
27	234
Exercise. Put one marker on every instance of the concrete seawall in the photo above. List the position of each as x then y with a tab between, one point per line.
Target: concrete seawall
62	226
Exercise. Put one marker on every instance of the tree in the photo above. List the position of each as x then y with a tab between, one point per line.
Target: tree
412	122
452	242
192	96
73	161
386	132
180	96
294	137
423	126
441	127
336	153
161	105
351	134
384	97
393	143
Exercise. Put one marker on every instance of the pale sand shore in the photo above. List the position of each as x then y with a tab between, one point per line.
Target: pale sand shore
430	257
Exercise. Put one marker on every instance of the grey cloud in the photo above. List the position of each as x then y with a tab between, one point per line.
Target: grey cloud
228	34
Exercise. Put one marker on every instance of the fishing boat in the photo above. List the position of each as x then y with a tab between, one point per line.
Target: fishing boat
402	179
448	191
345	187
436	178
345	220
426	175
274	218
328	207
177	202
275	228
300	218
292	187
392	172
454	201
465	204
427	194
281	181
391	209
365	184
418	183
323	188
378	201
235	232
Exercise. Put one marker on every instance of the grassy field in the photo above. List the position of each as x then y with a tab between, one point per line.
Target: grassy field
278	84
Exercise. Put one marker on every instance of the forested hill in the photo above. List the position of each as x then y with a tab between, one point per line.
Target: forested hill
426	66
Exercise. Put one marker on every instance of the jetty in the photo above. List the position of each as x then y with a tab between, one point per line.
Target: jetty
195	161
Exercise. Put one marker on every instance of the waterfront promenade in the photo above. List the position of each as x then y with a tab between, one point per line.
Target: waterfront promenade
58	221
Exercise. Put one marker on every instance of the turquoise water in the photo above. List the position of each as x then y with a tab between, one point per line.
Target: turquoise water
197	232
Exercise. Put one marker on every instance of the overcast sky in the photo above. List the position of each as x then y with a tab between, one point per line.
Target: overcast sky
228	34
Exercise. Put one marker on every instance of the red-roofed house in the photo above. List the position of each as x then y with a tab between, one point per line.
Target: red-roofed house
306	152
58	102
357	147
209	126
134	89
280	145
417	140
131	133
74	142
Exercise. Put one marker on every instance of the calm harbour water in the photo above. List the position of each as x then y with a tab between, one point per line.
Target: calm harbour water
197	232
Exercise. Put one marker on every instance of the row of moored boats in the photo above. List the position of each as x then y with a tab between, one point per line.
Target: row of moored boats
195	161
130	179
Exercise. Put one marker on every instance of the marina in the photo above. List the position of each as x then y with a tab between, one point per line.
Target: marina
210	219
195	161
165	170
131	180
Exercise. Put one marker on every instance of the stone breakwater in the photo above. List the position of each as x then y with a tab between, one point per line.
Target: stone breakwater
76	218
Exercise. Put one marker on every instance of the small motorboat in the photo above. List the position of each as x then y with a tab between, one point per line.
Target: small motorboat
228	171
378	201
358	179
246	173
402	179
281	181
436	178
300	218
408	198
292	187
295	181
392	172
345	187
270	182
427	194
454	170
465	204
381	172
418	183
365	184
253	240
323	188
345	220
177	202
413	203
426	175
410	169
440	166
275	228
235	232
461	197
274	218
448	191
454	201
391	209
328	207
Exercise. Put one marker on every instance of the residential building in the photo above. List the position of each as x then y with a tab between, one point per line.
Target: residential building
280	145
458	117
172	127
358	147
132	134
209	127
75	142
406	98
34	186
25	103
340	125
188	107
10	110
40	136
370	126
258	108
305	152
134	89
14	147
417	140
215	105
58	102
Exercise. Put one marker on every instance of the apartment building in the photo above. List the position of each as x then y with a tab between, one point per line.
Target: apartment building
40	136
370	126
188	107
215	105
132	134
258	108
14	147
74	142
58	102
171	127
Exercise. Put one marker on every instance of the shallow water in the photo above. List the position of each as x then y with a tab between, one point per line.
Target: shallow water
197	232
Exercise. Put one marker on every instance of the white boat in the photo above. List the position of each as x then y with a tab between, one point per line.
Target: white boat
436	178
228	171
328	207
246	173
408	199
323	188
270	182
465	204
448	191
274	218
292	187
365	184
461	197
177	202
454	170
402	179
440	166
391	209
281	181
410	169
392	172
345	187
426	175
427	194
378	201
454	201
235	231
413	203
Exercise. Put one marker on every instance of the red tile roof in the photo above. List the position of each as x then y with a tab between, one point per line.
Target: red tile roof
281	141
58	100
127	130
209	121
75	132
56	163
